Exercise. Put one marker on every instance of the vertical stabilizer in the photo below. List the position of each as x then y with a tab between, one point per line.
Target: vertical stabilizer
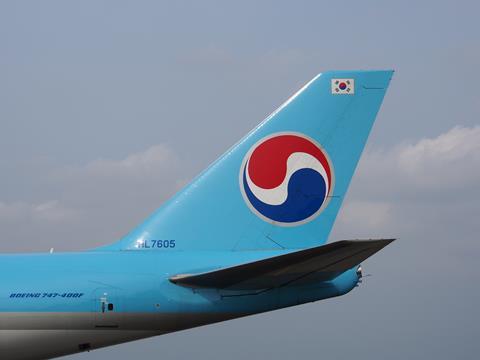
282	185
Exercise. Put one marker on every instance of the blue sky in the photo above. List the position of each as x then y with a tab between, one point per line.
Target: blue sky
109	103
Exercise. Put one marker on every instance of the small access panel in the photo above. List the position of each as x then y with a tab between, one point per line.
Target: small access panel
107	308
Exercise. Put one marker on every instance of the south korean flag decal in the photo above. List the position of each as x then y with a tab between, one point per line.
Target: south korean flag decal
343	86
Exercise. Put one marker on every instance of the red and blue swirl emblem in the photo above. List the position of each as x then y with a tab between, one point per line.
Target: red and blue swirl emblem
286	178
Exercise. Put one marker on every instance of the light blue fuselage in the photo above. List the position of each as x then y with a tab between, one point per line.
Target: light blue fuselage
59	303
138	282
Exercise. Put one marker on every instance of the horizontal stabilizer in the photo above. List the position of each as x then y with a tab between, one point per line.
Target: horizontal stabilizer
321	263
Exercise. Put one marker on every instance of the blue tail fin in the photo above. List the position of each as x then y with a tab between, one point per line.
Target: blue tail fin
282	185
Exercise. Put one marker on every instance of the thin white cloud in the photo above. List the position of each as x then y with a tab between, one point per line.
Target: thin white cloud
156	161
48	212
450	160
447	162
415	185
96	203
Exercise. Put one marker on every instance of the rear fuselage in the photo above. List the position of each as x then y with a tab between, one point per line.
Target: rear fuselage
57	304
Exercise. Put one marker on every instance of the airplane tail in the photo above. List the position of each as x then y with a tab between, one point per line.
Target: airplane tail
282	185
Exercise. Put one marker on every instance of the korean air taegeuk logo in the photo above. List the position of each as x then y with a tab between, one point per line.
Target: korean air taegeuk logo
286	179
